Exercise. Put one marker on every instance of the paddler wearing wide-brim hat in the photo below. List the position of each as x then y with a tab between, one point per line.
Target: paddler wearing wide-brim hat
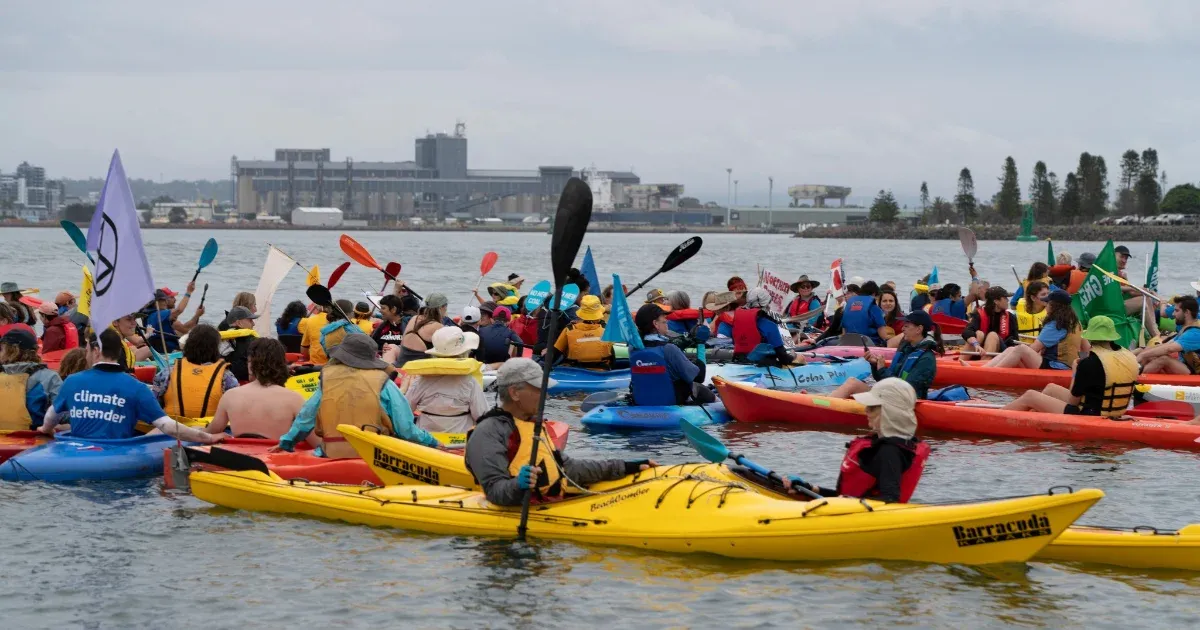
12	293
803	280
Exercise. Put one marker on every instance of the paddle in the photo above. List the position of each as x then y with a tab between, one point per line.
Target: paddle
321	296
684	251
713	450
360	255
970	246
390	271
77	236
570	226
1129	284
337	274
485	266
230	460
313	277
204	294
206	256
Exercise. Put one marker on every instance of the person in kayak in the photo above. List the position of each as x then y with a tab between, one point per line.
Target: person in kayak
135	345
22	313
195	384
886	464
499	448
992	327
1083	264
1160	360
355	388
68	306
525	324
720	308
418	334
660	373
915	360
361	317
468	321
58	333
339	327
106	403
27	387
756	337
1031	311
446	389
391	328
976	296
236	339
264	407
835	329
515	281
682	319
893	317
805	301
495	337
950	302
1103	383
244	299
1058	344
73	362
1038	272
289	320
8	320
862	316
580	343
922	295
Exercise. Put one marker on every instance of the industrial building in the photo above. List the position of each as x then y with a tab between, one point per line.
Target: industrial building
818	193
27	194
435	185
791	218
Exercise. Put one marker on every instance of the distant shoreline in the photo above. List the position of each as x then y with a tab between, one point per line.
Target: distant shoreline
1089	232
541	228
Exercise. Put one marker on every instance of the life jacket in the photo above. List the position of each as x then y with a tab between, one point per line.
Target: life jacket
194	390
349	396
238	358
856	316
584	345
69	330
1077	278
985	323
901	370
1060	275
683	320
947	307
1067	350
799	306
445	367
853	481
237	333
14	414
1120	376
746	336
550	483
1190	359
649	379
726	318
1029	323
526	328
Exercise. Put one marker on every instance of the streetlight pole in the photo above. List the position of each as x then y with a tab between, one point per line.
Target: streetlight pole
770	199
735	199
728	193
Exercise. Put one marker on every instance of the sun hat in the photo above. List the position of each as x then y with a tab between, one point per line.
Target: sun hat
436	300
804	279
896	400
1086	260
655	295
895	391
720	300
470	315
449	341
488	307
590	309
358	351
10	287
520	370
1196	286
1101	328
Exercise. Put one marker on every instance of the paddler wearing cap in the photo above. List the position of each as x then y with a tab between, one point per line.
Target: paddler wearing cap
756	337
660	373
27	386
580	343
1134	300
992	327
12	293
236	340
915	360
499	448
886	464
1161	359
1103	382
1058	344
355	388
58	333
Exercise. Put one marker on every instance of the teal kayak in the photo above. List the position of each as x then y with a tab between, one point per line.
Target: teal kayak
571	380
621	416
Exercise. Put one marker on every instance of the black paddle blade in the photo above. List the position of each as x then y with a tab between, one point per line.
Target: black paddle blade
319	295
686	250
229	460
570	225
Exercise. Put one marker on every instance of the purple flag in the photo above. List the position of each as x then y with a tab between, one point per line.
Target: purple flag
123	283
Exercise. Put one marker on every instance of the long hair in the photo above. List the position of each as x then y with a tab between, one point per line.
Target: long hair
895	313
268	361
427	314
203	345
341	311
950	292
1031	290
13	354
293	311
1037	271
75	360
1063	316
247	300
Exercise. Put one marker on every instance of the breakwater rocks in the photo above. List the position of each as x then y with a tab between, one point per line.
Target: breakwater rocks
1089	232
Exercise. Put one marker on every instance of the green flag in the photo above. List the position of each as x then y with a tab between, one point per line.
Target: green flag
1101	295
1049	252
1152	271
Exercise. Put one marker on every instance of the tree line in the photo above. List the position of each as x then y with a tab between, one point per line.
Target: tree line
1080	197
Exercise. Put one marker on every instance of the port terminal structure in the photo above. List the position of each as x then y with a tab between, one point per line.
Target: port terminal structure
818	193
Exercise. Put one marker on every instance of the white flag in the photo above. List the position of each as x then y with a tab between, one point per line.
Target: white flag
274	271
122	280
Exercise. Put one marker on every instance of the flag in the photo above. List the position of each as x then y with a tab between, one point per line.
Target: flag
837	279
1050	260
933	277
1152	271
314	276
588	269
84	304
122	280
620	327
274	271
1101	295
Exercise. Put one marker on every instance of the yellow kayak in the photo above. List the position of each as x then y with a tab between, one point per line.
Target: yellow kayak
398	462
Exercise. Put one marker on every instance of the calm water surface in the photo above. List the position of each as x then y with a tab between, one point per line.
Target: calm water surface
121	555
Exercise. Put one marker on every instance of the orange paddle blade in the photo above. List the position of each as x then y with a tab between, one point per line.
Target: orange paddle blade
357	252
489	261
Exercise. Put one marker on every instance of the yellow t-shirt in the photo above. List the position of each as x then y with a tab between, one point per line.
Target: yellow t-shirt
310	337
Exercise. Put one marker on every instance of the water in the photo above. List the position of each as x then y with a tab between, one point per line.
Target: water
126	555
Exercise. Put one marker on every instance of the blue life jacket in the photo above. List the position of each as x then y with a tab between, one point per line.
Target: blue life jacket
164	331
900	369
953	308
856	317
649	379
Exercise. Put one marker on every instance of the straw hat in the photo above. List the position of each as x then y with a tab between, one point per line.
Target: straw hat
720	301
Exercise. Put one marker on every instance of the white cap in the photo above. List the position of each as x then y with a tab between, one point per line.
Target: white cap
470	315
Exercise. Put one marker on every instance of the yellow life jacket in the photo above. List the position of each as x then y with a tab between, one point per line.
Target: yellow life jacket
550	482
1120	377
584	344
14	415
445	367
1190	359
1068	348
365	325
349	396
1029	323
237	333
194	390
130	358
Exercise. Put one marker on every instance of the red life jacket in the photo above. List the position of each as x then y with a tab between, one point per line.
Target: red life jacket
745	330
726	318
853	481
985	323
71	339
684	314
800	306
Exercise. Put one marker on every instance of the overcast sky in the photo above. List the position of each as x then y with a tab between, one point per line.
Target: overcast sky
867	94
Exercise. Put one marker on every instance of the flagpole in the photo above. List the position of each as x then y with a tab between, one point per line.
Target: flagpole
1142	327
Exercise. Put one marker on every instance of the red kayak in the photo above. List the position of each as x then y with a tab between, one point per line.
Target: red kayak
13	442
949	325
950	372
751	404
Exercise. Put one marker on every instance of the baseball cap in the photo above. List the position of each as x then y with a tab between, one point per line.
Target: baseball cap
22	339
502	314
488	307
239	312
64	298
997	292
48	308
1121	249
1060	296
517	371
167	291
470	315
920	318
436	300
1086	260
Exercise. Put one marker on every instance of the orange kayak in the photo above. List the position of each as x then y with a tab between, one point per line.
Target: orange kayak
13	442
751	404
951	372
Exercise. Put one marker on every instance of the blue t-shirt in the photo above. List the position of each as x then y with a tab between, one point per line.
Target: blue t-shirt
1189	340
1051	336
106	403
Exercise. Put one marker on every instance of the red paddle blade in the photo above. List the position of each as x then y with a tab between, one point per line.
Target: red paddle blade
489	261
337	274
357	252
392	270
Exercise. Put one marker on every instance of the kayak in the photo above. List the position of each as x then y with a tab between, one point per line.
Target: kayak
68	458
952	372
751	404
13	442
684	509
572	380
1144	548
618	416
1183	393
949	325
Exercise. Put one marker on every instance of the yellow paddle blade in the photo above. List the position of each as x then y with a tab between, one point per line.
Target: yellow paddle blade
314	276
84	303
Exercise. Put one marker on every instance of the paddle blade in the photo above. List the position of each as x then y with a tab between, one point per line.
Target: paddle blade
570	225
709	447
970	246
392	270
337	274
229	460
686	250
209	253
357	252
75	233
319	295
314	276
489	261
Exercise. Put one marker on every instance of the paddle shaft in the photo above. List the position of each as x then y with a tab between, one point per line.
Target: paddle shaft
769	474
538	421
643	283
204	294
1129	284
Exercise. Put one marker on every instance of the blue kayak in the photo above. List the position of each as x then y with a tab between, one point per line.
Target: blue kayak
620	416
69	458
573	380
